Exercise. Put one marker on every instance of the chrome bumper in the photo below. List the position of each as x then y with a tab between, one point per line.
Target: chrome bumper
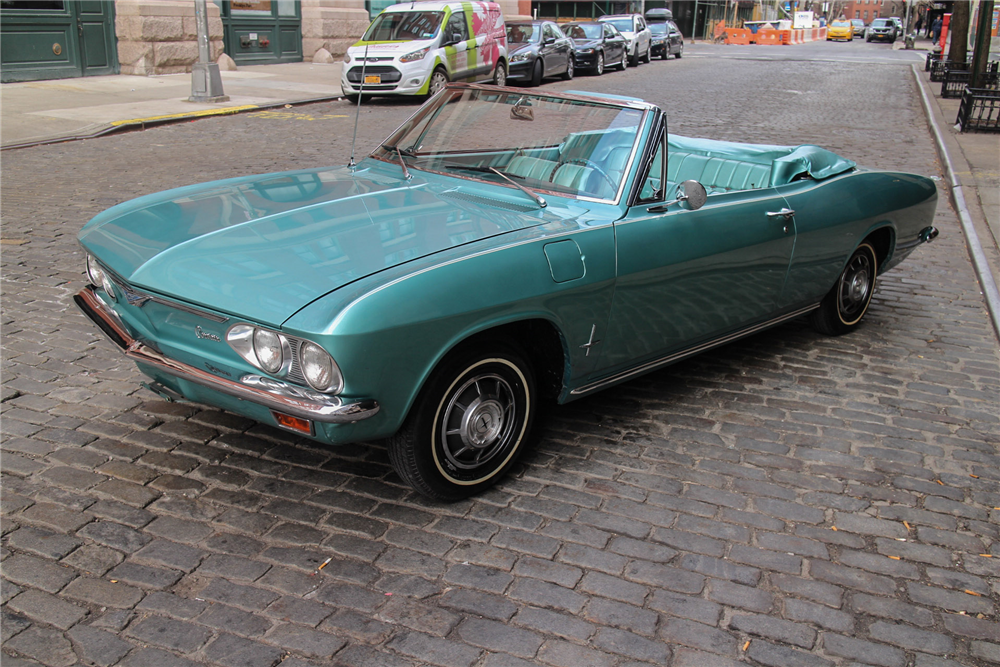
267	392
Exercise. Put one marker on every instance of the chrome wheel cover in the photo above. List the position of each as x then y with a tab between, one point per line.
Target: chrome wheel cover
600	64
438	82
478	421
855	288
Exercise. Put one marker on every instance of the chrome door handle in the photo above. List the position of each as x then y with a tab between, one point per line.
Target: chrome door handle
785	213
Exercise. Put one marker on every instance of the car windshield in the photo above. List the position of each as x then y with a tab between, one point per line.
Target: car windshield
403	26
584	31
523	33
881	23
658	28
857	22
573	147
841	24
623	24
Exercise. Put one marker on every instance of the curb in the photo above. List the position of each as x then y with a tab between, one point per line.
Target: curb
142	123
979	262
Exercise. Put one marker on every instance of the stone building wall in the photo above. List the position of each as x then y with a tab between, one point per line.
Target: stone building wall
160	36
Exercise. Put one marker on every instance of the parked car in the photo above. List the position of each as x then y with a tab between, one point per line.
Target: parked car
840	29
638	38
500	247
900	30
417	47
538	49
667	40
597	46
859	27
883	30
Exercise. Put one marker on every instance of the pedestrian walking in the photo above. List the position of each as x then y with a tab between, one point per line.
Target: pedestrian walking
920	23
936	29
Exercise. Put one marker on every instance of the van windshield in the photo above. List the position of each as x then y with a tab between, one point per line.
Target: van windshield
403	26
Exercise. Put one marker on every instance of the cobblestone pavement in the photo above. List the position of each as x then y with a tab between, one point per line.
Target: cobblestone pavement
788	500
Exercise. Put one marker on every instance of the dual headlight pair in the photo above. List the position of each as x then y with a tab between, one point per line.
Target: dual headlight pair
276	354
272	352
520	57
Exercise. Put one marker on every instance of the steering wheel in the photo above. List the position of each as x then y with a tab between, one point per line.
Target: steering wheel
592	165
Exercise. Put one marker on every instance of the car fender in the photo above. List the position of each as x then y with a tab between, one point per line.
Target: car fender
389	334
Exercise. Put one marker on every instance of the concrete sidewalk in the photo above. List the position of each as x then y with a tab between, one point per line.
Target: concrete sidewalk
43	111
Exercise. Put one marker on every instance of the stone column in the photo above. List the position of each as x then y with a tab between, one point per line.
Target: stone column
332	25
160	36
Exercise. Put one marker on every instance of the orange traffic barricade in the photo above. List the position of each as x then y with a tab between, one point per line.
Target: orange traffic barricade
737	36
769	37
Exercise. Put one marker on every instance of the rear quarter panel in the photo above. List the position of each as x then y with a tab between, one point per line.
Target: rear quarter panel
833	216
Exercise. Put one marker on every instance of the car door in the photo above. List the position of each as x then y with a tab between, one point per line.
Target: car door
614	45
457	46
674	38
688	277
552	53
642	36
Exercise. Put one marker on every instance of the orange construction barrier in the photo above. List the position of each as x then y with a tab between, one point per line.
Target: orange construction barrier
769	37
737	36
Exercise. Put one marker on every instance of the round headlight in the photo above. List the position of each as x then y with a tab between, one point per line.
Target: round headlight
109	287
319	368
267	347
94	272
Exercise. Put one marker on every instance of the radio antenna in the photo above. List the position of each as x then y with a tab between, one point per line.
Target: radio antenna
361	90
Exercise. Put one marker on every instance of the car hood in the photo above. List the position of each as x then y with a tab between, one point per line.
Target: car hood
522	47
383	49
264	247
586	43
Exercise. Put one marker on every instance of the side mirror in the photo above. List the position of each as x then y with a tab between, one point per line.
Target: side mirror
454	39
693	193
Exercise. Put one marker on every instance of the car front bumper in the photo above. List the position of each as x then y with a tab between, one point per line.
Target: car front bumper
400	78
887	36
266	392
522	70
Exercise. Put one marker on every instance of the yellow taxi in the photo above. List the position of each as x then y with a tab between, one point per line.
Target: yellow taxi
840	29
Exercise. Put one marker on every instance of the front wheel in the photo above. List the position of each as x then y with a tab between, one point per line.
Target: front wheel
847	302
536	73
599	67
468	425
634	58
439	79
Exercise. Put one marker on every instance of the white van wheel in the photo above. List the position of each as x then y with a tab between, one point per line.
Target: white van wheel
439	79
500	74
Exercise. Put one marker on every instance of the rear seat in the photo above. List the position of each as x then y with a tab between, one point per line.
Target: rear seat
716	174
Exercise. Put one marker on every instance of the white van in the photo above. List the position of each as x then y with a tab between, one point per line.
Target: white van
416	48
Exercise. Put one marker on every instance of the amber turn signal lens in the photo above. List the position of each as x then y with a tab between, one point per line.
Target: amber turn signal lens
293	423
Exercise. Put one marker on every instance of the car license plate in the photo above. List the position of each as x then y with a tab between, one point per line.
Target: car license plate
373	78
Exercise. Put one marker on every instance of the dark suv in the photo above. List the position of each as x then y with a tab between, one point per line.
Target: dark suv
883	30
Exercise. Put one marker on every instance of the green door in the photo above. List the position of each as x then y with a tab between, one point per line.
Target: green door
260	32
57	39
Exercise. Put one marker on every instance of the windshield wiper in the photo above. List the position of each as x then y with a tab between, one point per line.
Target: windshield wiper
538	200
400	152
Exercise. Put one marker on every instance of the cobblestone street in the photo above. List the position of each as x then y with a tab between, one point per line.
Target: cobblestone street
790	500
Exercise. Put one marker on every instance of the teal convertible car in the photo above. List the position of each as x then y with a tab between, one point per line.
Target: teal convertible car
498	249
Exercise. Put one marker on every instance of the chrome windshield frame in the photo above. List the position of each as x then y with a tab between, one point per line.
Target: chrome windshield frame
638	105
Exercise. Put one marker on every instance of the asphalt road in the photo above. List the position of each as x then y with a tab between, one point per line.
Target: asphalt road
790	499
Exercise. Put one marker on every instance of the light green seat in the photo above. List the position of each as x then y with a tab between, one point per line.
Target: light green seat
717	174
532	167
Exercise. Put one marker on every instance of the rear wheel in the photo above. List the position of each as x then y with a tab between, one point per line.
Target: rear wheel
680	50
568	74
648	58
468	425
623	65
843	307
500	74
